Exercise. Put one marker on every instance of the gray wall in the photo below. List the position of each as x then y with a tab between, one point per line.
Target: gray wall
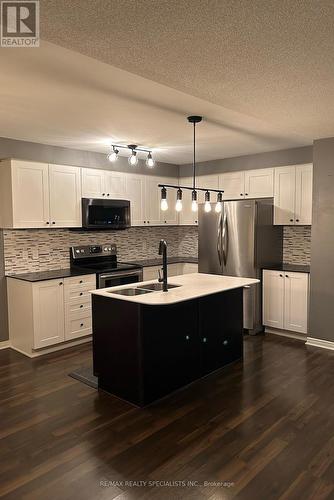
10	148
3	295
322	242
262	160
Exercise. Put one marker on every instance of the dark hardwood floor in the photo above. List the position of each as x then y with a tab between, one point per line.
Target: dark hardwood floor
264	427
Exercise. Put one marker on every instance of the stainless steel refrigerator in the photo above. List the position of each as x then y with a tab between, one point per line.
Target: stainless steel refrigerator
241	240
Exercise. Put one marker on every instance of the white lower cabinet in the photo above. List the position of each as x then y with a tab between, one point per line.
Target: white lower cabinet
46	313
285	300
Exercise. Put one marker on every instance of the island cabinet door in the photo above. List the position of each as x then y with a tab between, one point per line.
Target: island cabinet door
221	329
171	356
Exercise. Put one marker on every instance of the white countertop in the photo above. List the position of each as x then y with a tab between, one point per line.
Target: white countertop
193	286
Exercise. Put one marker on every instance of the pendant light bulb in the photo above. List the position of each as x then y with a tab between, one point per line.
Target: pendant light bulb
194	205
207	204
133	160
150	162
178	205
219	204
164	203
113	156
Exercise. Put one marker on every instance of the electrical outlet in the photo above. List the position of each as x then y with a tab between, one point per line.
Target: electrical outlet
35	253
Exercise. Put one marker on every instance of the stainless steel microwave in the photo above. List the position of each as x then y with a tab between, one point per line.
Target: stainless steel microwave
105	214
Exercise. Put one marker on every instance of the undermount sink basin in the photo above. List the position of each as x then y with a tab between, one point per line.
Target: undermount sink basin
130	292
156	287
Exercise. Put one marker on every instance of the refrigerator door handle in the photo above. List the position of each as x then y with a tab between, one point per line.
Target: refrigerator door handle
225	239
219	240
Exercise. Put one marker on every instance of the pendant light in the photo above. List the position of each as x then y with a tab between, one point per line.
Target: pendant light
178	204
150	162
164	203
219	204
133	159
207	204
194	119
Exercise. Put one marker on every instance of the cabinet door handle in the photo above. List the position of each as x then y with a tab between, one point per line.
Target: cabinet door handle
246	194
287	276
53	222
241	194
80	281
108	194
81	306
225	342
187	337
81	324
47	222
281	275
291	220
81	293
60	283
204	339
297	220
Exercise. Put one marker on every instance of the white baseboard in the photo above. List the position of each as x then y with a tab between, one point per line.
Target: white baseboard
324	344
5	344
286	333
55	348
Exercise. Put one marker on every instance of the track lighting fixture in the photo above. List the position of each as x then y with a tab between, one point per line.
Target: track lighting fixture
207	204
133	158
150	162
113	155
164	203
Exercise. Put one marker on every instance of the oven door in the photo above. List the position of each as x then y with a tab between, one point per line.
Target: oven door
106	280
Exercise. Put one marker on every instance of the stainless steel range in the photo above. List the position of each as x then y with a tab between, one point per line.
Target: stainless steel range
102	260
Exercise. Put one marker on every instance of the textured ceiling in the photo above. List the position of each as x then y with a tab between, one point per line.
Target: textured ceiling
56	96
270	59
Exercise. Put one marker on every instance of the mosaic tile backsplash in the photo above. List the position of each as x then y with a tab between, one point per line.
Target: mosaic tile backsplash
28	250
297	244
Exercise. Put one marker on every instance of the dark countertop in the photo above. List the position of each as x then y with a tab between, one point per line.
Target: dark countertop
68	273
170	260
49	275
293	268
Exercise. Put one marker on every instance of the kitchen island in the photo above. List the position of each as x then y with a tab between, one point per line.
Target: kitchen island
147	344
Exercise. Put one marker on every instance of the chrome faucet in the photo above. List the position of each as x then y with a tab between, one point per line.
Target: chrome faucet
163	252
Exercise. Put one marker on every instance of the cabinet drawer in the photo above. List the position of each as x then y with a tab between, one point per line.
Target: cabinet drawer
78	327
81	280
79	306
78	293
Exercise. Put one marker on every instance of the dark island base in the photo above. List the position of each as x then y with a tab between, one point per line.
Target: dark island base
142	353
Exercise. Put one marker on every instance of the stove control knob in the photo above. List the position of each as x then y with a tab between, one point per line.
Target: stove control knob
109	249
77	251
82	250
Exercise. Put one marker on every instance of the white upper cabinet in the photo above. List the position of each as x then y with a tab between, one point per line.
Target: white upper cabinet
115	185
259	183
30	192
285	188
233	185
293	195
93	183
38	195
152	201
187	217
65	196
304	183
169	216
135	192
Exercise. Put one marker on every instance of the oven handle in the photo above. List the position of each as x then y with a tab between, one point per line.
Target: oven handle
117	275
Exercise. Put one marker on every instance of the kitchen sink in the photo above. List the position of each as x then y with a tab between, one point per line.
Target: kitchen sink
130	292
156	287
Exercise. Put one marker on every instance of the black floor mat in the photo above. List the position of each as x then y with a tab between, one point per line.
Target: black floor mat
85	375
